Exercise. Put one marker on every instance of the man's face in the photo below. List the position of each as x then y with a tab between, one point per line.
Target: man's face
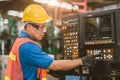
38	31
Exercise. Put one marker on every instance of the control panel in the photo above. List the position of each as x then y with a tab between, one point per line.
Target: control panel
92	34
106	54
100	37
70	37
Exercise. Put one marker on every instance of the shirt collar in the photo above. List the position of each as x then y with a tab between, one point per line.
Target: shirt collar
24	34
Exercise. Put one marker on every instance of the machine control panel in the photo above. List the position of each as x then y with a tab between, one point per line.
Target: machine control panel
106	54
70	38
99	35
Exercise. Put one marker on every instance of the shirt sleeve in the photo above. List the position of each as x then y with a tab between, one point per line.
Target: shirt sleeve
33	55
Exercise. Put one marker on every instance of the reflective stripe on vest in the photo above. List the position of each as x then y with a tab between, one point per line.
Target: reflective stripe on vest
13	69
7	78
44	79
12	56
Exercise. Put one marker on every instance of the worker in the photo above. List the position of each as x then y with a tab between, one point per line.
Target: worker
26	55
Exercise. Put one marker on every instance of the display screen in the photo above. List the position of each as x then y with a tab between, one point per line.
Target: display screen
98	28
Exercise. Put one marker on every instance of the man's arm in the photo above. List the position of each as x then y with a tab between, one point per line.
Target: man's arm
70	64
65	64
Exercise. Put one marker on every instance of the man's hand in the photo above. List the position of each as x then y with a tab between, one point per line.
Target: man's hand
88	60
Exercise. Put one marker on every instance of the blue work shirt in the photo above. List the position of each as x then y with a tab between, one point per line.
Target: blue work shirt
32	57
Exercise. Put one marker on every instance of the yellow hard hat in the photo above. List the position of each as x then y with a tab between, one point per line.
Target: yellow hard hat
36	14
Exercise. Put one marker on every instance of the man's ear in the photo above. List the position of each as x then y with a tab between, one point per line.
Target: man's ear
28	26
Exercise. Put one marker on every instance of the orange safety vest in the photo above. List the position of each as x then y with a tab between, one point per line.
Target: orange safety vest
41	74
13	69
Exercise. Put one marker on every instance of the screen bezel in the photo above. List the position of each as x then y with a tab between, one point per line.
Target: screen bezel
95	14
